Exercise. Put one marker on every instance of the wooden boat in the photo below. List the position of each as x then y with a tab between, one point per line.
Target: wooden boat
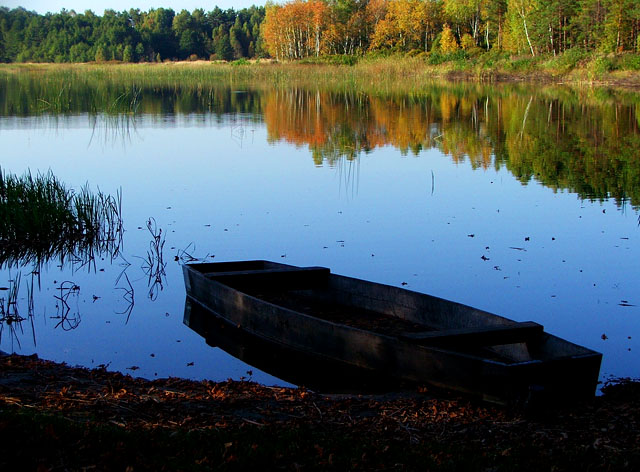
288	365
394	332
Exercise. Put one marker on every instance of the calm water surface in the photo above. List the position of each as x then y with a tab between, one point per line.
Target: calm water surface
515	200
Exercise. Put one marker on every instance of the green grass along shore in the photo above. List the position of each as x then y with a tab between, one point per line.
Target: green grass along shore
373	71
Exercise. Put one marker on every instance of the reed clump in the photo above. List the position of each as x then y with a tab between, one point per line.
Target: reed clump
40	218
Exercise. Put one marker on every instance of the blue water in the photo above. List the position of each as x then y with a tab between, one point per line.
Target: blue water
219	189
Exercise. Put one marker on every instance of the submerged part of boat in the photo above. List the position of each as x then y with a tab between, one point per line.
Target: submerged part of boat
393	332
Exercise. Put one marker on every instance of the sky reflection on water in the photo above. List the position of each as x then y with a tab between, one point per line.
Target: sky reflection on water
227	188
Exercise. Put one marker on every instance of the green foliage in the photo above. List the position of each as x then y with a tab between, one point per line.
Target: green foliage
127	54
599	66
101	54
567	60
240	62
2	48
341	59
436	58
467	42
223	49
128	36
520	64
629	62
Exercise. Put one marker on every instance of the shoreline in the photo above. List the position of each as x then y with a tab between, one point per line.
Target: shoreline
56	416
397	72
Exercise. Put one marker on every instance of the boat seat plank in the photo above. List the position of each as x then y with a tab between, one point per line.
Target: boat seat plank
478	336
284	278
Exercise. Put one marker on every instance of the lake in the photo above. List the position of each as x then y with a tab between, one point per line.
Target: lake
519	200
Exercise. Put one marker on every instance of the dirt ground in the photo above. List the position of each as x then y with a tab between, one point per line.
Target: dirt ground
56	417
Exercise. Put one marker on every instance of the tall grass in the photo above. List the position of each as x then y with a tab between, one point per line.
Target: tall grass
41	219
128	89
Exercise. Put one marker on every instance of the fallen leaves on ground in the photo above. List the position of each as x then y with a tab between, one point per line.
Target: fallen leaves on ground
606	430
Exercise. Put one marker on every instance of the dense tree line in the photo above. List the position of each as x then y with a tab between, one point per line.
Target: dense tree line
302	28
130	36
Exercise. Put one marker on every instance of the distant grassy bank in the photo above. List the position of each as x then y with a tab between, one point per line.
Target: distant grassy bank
369	73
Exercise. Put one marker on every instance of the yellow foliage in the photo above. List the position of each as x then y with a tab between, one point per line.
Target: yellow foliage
467	42
448	43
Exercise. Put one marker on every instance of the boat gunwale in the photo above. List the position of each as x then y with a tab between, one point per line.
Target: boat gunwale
513	365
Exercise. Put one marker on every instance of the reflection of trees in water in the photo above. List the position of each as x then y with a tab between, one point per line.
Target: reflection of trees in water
584	141
562	139
68	94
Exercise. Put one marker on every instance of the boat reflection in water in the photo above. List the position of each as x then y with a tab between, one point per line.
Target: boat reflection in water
289	365
391	332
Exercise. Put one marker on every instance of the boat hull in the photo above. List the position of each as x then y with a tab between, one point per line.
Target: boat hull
548	366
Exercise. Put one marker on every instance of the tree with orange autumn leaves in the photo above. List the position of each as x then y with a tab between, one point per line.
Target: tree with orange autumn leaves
301	28
408	24
295	30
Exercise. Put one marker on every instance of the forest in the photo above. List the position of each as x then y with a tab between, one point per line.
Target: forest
129	36
300	29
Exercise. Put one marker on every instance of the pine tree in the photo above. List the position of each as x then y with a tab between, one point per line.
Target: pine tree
223	48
